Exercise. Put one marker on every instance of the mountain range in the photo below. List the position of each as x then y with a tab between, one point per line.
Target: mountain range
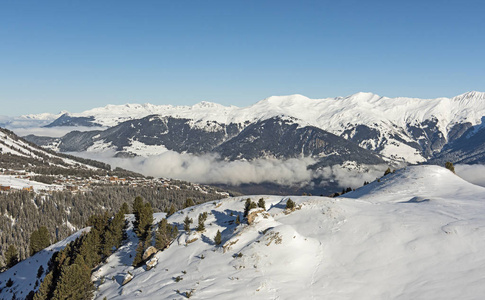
394	130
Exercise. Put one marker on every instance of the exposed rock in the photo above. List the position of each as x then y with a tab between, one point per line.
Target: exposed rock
128	278
151	263
253	214
149	252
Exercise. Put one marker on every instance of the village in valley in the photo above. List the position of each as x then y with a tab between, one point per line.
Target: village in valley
20	180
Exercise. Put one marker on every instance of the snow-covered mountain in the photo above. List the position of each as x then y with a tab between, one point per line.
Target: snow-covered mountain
414	234
399	129
19	154
26	121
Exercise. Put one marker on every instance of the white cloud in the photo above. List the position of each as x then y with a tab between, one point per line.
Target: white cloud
58	131
209	169
351	177
472	173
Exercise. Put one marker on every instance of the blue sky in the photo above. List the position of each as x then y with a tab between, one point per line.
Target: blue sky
76	55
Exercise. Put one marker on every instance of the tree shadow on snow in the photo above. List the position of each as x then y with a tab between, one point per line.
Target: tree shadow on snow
207	240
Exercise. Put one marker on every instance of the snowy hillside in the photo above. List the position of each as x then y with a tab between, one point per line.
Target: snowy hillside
24	274
416	234
12	146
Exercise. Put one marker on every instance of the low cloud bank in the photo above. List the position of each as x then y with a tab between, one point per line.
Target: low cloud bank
52	131
209	169
351	177
472	173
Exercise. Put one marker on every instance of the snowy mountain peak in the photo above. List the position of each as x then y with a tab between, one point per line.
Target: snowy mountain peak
476	96
207	105
363	96
421	182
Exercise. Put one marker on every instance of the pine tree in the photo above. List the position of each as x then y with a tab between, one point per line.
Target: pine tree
388	171
39	239
45	290
146	221
187	222
290	204
124	208
12	256
189	202
137	205
90	244
449	166
201	220
139	254
262	204
143	218
75	282
172	210
173	231
162	236
247	206
218	238
40	271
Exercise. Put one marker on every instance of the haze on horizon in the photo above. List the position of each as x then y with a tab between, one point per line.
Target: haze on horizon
77	55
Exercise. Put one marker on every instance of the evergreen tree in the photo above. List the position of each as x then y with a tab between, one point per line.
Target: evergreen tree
247	206
90	244
189	202
137	205
40	271
162	236
388	171
201	220
124	208
187	222
146	221
290	204
139	255
75	282
12	256
143	218
171	211
218	238
39	239
449	166
262	204
45	290
165	234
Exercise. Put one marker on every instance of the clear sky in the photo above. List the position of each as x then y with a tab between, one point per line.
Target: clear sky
76	55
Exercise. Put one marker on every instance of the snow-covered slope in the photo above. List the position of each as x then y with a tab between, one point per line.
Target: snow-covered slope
24	274
415	234
11	144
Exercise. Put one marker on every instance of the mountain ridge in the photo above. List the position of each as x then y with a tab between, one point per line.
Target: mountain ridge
401	130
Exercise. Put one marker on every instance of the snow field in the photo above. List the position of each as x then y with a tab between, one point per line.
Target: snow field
416	234
421	241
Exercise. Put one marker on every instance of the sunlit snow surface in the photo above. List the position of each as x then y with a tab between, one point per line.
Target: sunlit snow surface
416	234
